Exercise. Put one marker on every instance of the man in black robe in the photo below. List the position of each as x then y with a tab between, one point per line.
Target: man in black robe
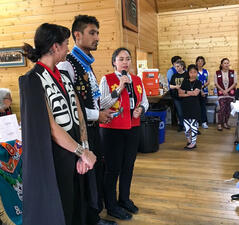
85	31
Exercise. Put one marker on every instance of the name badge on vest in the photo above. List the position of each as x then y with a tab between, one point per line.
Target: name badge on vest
131	101
232	75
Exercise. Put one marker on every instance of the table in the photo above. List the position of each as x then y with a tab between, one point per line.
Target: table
156	98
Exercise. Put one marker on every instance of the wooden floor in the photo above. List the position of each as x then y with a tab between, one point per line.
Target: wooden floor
178	187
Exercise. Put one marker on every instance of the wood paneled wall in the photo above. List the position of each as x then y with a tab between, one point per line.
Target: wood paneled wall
212	33
20	18
147	37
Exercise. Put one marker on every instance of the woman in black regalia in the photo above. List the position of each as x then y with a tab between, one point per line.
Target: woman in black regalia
55	147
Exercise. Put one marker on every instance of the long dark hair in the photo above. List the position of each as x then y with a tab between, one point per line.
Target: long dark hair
116	52
202	58
46	35
224	59
191	67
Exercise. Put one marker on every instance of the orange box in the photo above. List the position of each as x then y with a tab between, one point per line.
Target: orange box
151	82
152	91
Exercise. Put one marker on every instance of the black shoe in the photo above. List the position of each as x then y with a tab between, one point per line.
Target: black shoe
199	133
119	213
106	222
188	148
235	197
129	206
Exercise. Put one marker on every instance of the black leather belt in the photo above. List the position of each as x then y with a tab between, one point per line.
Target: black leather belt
92	124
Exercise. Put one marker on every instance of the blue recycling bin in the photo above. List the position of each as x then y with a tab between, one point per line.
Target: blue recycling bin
162	116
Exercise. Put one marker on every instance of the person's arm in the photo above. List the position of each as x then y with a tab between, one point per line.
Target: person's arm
195	92
63	139
92	114
144	103
59	135
82	124
143	107
198	88
185	93
219	87
108	99
234	83
169	75
174	86
103	116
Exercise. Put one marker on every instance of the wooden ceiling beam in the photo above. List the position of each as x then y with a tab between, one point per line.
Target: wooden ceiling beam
156	6
174	5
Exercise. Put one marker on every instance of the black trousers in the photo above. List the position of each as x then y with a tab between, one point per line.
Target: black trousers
70	186
94	144
120	150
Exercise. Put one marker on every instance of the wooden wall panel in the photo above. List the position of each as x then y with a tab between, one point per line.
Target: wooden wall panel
212	33
147	37
20	18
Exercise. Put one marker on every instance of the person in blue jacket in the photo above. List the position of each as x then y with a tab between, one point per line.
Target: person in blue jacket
203	76
172	70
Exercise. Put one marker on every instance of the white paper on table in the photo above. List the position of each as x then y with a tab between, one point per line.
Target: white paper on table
9	128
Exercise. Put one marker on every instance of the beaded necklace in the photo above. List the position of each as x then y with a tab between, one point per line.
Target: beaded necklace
192	85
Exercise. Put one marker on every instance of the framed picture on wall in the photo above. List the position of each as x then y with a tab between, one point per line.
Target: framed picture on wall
12	57
130	14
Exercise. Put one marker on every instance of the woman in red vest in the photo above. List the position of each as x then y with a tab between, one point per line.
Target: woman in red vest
124	93
225	81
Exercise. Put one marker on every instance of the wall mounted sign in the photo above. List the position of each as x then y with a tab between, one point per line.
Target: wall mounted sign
12	57
130	14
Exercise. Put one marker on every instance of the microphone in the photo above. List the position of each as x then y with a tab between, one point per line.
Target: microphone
124	73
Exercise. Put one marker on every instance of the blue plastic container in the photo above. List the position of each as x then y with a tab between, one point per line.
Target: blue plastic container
162	116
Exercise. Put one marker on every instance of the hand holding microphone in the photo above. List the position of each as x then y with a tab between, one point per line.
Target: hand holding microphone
124	81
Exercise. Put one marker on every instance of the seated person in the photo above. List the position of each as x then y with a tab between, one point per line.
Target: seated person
5	102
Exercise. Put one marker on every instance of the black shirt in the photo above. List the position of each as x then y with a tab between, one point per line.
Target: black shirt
191	104
177	79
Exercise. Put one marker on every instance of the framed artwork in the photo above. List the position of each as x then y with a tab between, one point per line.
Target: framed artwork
130	14
12	57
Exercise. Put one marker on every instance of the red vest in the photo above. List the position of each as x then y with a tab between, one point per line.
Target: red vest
220	82
124	120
